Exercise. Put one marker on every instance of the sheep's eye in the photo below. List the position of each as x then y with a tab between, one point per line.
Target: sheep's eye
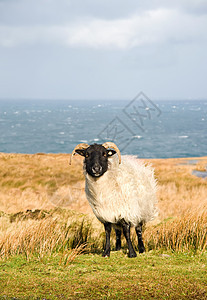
104	154
87	155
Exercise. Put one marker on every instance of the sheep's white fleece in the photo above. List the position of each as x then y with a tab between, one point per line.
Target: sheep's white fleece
126	191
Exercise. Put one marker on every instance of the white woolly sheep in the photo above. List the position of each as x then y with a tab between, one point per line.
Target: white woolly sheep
120	191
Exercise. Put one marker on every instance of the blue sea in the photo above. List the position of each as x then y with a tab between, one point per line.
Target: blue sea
149	129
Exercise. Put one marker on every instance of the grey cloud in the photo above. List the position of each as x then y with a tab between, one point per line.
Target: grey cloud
102	48
159	26
53	12
31	12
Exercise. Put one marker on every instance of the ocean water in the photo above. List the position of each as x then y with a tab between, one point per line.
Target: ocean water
159	129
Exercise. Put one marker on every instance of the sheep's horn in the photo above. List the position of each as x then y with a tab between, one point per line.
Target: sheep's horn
79	146
111	145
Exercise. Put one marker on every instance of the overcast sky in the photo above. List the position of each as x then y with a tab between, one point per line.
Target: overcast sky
103	49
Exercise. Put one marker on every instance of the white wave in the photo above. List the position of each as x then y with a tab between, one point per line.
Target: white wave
195	109
83	141
137	136
183	136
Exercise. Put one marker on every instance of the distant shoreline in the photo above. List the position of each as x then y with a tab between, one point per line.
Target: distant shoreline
65	154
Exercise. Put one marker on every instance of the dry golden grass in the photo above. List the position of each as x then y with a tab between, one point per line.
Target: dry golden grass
68	256
179	191
188	232
59	231
46	181
40	181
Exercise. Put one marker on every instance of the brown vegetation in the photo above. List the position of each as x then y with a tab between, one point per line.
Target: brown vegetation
40	181
33	187
179	191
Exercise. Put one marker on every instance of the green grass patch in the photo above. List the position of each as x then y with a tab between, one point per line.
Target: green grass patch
151	275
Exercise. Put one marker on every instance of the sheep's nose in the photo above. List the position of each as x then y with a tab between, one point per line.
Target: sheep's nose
96	169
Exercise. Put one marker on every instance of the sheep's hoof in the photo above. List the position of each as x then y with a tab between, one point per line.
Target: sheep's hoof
106	254
118	248
141	249
132	254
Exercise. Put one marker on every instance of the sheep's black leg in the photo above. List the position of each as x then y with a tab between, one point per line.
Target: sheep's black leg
107	250
126	231
118	239
139	237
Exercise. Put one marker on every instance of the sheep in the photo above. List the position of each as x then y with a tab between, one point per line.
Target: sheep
120	190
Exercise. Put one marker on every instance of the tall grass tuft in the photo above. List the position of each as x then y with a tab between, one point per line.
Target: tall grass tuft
45	237
68	256
63	232
187	233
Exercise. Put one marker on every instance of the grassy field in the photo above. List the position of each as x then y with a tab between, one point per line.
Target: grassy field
51	244
152	275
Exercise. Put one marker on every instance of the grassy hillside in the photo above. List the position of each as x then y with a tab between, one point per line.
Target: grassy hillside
45	181
149	276
51	244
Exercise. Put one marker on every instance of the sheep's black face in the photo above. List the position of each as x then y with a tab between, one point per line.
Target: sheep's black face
96	159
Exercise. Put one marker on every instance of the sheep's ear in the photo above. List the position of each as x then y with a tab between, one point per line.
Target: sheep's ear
111	152
81	152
